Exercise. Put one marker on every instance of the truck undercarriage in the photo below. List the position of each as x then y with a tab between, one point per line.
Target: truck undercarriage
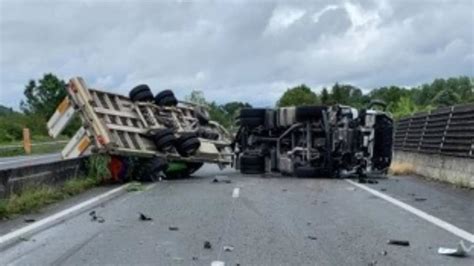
312	141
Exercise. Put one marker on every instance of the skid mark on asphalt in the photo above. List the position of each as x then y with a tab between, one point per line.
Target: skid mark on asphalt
423	215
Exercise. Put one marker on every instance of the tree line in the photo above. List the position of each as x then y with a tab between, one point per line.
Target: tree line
42	97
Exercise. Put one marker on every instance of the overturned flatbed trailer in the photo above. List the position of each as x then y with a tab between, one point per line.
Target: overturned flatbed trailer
141	126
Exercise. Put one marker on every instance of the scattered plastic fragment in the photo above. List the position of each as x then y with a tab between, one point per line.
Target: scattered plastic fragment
195	258
312	238
207	245
143	217
384	253
228	248
399	242
383	189
29	220
454	252
420	199
173	228
96	218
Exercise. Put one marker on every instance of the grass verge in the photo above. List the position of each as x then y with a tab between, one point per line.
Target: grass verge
33	198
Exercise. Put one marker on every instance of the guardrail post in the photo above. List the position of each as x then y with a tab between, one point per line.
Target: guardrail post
26	140
446	129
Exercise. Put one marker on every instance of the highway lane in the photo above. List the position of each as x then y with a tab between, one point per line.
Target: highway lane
21	161
269	221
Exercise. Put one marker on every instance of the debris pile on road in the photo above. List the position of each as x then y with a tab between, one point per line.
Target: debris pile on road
143	217
96	218
221	179
207	245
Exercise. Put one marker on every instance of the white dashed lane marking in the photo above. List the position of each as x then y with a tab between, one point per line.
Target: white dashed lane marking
236	192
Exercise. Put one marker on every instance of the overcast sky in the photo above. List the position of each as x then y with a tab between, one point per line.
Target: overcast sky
234	50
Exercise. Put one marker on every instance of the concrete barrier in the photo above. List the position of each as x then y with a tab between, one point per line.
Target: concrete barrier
14	180
455	170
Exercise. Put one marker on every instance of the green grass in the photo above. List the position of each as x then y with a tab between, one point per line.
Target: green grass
33	198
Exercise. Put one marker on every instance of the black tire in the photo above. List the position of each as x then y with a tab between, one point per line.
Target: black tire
164	139
253	112
309	113
202	118
151	169
188	147
251	121
306	171
252	164
383	142
139	89
187	144
144	96
166	98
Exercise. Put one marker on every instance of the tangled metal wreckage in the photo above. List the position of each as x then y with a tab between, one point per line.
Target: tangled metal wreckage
175	138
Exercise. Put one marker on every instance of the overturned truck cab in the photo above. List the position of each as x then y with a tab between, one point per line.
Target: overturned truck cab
156	130
315	141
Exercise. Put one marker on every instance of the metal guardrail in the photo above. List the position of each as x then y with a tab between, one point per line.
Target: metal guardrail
16	146
446	131
16	179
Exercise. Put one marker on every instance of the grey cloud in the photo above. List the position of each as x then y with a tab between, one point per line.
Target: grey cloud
226	48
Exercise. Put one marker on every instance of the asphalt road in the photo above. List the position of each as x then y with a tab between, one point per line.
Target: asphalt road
266	220
21	161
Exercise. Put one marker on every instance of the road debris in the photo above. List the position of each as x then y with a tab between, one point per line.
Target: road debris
195	258
384	253
398	242
372	181
420	199
383	189
454	252
29	220
372	263
173	228
221	179
143	217
228	248
312	238
96	218
284	190
207	245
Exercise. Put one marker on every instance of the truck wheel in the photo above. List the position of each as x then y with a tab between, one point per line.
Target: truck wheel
309	113
166	98
202	117
252	164
164	139
252	117
307	171
187	144
252	112
151	169
141	93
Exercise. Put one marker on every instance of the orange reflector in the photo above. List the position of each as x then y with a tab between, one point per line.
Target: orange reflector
63	106
84	144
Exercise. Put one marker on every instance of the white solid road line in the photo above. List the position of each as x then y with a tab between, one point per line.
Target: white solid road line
425	216
50	220
236	192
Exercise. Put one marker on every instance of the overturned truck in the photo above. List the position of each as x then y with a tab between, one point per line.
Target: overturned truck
315	141
157	130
